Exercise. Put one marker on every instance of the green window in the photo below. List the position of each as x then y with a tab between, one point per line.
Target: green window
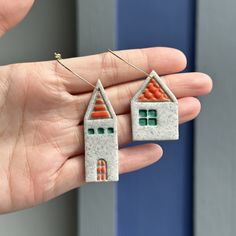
100	130
90	131
152	113
142	113
110	130
147	117
143	121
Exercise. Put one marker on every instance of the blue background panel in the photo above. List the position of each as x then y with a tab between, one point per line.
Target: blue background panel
158	200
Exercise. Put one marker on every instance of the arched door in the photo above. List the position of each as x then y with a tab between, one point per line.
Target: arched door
101	170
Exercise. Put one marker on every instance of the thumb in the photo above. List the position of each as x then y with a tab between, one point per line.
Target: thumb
12	12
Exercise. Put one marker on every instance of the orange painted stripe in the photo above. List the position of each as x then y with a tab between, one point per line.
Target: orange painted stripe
100	114
99	101
99	108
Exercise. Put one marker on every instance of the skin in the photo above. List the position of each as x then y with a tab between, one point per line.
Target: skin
42	107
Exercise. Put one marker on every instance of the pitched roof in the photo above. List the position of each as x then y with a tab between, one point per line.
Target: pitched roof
154	90
100	110
99	106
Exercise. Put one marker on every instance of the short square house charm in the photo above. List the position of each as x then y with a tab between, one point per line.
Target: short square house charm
101	142
154	110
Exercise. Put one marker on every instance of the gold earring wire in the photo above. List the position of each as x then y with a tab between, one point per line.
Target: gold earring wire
59	58
132	65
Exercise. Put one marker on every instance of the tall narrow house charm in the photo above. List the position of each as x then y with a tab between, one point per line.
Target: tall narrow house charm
101	142
154	110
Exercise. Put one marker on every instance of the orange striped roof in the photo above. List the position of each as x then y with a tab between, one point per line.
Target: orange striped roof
153	93
100	110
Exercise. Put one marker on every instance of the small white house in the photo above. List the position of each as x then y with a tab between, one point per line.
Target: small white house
101	142
154	111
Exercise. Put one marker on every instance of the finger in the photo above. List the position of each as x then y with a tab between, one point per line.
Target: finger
189	109
138	157
113	71
12	12
72	142
189	84
182	85
72	173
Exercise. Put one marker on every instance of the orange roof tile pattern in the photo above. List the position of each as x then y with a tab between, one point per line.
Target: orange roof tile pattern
153	93
100	110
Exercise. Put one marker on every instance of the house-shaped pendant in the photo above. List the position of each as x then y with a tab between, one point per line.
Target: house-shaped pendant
154	111
101	142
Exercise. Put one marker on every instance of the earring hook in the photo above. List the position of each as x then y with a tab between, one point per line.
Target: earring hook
132	65
59	58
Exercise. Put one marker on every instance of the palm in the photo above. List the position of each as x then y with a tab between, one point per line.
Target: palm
34	126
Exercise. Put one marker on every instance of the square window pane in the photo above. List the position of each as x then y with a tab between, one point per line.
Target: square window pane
152	121
142	121
143	113
91	131
110	130
152	113
100	130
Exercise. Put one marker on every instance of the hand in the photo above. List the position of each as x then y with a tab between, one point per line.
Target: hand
42	108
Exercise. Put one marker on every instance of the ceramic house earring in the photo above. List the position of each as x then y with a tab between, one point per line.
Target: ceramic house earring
154	109
101	142
100	135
